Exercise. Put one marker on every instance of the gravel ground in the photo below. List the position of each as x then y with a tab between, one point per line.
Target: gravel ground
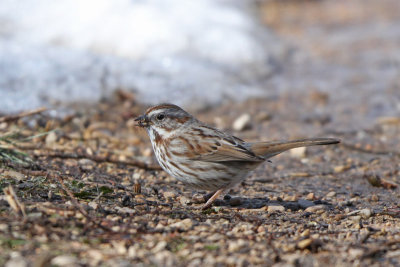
90	199
92	193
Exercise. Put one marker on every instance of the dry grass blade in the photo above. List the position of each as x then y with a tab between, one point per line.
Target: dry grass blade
10	154
13	201
16	117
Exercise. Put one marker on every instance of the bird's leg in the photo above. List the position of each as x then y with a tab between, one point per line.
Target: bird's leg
211	200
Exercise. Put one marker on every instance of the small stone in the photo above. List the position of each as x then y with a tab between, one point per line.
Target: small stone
331	194
276	208
345	203
86	164
365	213
310	196
64	260
315	208
298	152
148	152
304	243
290	198
374	198
355	253
341	168
236	245
198	198
93	205
242	123
219	123
305	233
185	224
356	219
159	247
16	262
305	203
184	200
339	217
169	194
261	229
263	116
235	201
51	138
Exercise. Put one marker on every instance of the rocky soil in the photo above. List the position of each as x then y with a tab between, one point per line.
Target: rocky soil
82	188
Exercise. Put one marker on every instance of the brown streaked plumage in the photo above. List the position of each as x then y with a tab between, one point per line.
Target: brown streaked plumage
204	157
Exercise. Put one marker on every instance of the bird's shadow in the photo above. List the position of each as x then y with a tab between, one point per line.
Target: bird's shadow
257	203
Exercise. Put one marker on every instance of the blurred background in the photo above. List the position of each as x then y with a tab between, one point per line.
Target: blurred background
343	54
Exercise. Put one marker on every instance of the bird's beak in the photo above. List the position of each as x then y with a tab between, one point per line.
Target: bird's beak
142	121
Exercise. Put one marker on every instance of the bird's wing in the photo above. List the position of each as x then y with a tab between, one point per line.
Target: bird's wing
226	149
213	145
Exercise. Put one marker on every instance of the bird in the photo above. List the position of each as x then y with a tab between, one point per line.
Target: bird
204	157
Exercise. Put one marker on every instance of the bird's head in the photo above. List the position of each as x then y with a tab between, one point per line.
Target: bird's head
163	117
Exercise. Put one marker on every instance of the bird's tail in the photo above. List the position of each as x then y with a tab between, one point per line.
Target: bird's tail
270	149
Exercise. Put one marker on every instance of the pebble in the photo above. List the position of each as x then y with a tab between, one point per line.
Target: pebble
64	260
355	253
198	198
290	198
315	208
374	198
345	203
298	152
305	233
331	194
86	164
263	116
305	203
356	219
185	224
219	122
159	247
304	243
17	262
148	152
365	213
236	245
242	123
276	208
51	138
341	168
261	229
93	205
310	196
184	200
169	194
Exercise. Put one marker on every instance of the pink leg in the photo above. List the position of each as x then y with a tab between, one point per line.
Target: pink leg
212	199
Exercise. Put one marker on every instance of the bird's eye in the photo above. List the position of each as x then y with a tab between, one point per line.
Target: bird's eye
160	117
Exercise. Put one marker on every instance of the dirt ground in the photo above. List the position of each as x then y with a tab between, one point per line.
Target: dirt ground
95	196
85	190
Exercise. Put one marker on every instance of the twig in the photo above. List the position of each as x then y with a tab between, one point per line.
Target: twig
96	158
16	117
73	199
13	201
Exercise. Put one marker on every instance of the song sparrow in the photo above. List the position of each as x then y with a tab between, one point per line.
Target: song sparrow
204	157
